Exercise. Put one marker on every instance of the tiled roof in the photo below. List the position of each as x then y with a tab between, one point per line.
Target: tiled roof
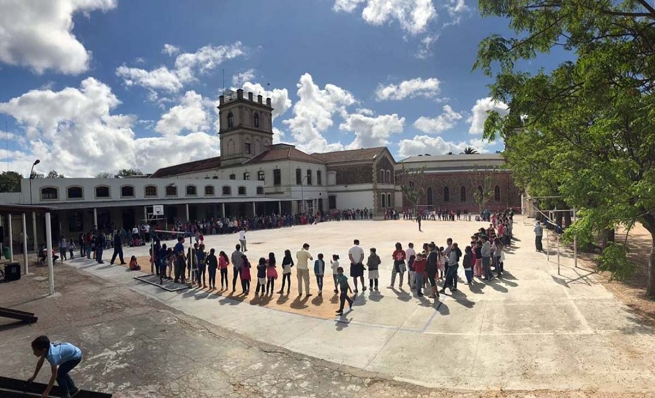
349	156
456	158
279	152
190	167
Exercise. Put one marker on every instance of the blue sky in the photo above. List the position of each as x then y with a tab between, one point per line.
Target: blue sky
99	85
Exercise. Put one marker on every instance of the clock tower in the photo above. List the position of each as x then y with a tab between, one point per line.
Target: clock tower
246	126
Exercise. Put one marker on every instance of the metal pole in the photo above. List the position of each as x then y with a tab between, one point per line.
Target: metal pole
27	266
575	245
11	240
547	245
35	244
48	240
95	217
187	212
558	254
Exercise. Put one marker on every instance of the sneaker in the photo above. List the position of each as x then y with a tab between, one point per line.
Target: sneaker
339	312
442	291
336	291
376	289
320	294
308	294
74	392
364	289
355	291
453	289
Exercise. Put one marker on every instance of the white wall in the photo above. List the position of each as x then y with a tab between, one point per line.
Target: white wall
354	200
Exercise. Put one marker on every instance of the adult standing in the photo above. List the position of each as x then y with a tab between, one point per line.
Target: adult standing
486	259
303	256
409	253
418	220
446	254
453	265
538	234
180	260
356	256
242	239
100	247
237	263
118	249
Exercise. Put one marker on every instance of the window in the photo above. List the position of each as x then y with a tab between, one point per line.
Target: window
319	177
215	178
497	193
150	191
75	193
309	177
233	176
462	194
246	176
49	193
171	190
277	177
102	192
256	119
430	198
381	177
246	148
230	120
242	190
392	177
227	190
209	190
260	190
446	194
261	176
127	191
75	223
191	190
388	176
389	200
298	177
384	200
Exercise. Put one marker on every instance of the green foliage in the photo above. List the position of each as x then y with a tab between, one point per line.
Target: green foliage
413	184
10	181
483	181
128	173
54	174
585	129
104	174
469	151
614	259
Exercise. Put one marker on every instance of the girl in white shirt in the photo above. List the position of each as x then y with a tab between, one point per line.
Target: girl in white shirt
335	264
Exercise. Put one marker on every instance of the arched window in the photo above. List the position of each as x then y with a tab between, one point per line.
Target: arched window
430	198
298	177
384	200
462	194
256	120
171	190
150	191
102	192
261	176
230	120
227	190
381	177
49	193
242	190
389	200
209	190
260	190
127	191
75	193
446	194
388	176
246	176
191	190
233	176
497	193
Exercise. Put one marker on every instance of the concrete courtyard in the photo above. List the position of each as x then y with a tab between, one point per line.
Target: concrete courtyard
533	329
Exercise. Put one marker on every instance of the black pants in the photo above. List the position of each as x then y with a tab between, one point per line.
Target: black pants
537	242
262	285
374	282
286	278
235	277
99	255
342	300
118	251
223	278
200	273
270	285
245	285
65	382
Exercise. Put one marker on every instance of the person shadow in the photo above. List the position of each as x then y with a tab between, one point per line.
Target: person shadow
317	301
300	303
401	294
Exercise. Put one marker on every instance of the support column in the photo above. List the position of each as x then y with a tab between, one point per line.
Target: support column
35	242
48	241
187	212
254	209
27	266
95	217
11	240
279	208
145	213
223	210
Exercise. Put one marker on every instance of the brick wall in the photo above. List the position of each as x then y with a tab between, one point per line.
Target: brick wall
384	164
352	174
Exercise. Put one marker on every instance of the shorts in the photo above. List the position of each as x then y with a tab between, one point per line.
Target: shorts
356	270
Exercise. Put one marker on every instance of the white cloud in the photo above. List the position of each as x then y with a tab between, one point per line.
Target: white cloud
189	115
187	66
479	113
240	78
372	131
313	114
413	88
75	132
365	111
447	120
425	48
456	7
170	49
413	16
38	34
279	97
423	144
278	135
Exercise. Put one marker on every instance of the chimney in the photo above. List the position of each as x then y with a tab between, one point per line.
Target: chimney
221	99
250	96
268	102
240	94
259	99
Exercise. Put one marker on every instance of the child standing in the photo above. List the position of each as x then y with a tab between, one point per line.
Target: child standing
319	271
287	263
261	276
271	274
345	289
411	256
419	267
398	265
223	263
245	275
63	357
441	263
467	263
200	272
71	247
335	264
373	262
212	265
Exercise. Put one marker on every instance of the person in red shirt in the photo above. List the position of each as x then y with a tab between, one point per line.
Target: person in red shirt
398	264
419	269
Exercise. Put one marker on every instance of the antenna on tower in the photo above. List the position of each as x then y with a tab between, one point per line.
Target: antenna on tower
223	79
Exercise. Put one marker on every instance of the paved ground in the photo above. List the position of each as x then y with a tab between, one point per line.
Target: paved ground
534	330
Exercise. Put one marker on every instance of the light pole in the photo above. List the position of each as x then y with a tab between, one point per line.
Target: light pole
37	161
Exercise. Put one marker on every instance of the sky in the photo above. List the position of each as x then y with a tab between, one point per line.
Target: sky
92	86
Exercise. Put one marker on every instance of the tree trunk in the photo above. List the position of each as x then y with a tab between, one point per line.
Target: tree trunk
650	288
567	220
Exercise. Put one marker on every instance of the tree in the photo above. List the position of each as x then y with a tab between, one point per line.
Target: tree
413	184
585	129
469	151
483	186
54	174
10	181
128	173
104	174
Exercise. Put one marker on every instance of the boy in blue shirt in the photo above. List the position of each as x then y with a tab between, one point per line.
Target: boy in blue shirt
342	280
63	357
